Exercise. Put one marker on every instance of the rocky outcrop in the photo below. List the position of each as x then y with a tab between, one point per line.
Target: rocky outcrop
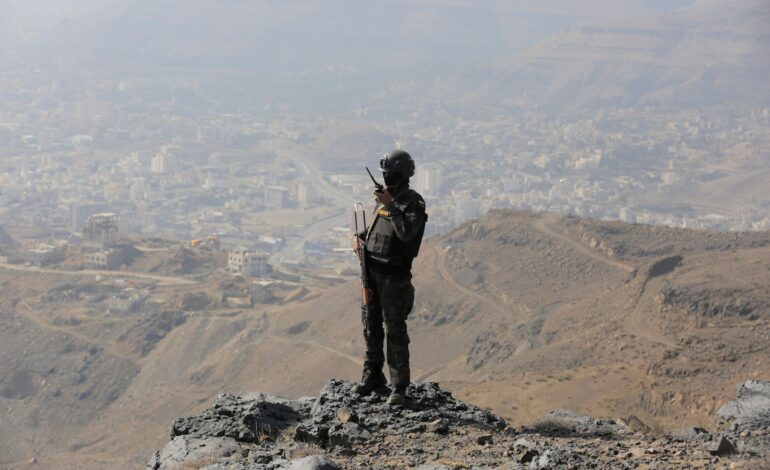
246	431
340	419
433	431
751	410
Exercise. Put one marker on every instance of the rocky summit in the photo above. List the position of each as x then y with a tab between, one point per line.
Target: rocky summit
435	431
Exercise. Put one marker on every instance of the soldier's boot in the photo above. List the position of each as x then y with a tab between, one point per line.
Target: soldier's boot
370	381
397	396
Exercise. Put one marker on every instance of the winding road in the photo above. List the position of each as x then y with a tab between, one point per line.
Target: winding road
440	263
342	200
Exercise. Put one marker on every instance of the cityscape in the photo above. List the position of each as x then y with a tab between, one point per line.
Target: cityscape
254	180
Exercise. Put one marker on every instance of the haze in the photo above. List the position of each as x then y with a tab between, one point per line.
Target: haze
148	147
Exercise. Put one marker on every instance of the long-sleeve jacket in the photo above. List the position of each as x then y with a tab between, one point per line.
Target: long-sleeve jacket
394	238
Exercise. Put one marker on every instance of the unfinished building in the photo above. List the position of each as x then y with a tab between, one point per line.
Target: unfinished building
101	229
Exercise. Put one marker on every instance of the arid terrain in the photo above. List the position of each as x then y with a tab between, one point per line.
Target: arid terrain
518	312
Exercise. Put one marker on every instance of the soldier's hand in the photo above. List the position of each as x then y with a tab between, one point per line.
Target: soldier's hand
383	197
356	243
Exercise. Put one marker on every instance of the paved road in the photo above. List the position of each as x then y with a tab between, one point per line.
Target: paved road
342	201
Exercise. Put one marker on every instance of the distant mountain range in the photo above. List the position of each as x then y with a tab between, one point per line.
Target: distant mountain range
548	54
710	53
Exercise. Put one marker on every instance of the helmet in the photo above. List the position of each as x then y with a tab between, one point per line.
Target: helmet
397	161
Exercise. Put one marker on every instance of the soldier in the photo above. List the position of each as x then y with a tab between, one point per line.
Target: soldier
391	243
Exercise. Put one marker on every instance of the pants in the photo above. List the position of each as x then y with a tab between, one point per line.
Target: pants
391	298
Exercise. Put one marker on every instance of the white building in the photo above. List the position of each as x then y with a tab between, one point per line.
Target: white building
429	178
251	263
162	163
43	254
103	259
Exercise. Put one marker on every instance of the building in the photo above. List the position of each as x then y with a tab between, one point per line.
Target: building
126	302
250	263
237	299
103	259
162	163
262	292
429	178
277	197
43	254
305	194
80	212
101	229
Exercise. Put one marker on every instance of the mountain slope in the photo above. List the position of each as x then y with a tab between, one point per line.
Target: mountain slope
519	312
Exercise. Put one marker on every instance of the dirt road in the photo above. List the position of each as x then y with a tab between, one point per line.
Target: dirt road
30	314
635	322
639	325
541	225
163	280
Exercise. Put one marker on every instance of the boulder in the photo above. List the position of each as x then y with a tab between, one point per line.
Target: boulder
722	446
185	450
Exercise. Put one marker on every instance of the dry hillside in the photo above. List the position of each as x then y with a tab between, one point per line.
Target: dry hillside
519	312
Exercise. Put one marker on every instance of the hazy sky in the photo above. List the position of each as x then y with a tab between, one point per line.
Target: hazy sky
28	17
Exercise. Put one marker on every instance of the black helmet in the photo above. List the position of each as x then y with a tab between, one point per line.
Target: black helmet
397	161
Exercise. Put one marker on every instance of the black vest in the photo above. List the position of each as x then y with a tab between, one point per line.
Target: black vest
385	251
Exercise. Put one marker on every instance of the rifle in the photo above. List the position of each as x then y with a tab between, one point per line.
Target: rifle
359	210
378	187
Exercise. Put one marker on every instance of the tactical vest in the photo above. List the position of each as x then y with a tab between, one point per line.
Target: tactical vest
383	247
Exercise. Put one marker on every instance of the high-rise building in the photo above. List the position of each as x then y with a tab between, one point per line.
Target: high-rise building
162	163
429	178
305	194
80	211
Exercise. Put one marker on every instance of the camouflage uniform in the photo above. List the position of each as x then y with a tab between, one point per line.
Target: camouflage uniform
392	242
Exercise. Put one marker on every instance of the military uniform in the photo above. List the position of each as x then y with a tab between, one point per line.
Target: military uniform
392	241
